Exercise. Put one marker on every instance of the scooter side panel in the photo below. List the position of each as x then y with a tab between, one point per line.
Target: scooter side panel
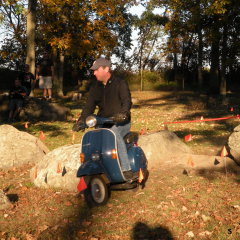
137	158
103	141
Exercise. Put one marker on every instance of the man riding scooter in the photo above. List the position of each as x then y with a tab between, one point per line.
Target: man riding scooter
113	98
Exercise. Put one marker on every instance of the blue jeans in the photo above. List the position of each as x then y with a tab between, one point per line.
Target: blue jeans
120	131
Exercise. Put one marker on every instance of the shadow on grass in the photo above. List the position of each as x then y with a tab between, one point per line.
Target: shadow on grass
74	227
52	128
142	231
230	170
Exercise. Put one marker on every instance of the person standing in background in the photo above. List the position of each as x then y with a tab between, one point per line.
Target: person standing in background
44	73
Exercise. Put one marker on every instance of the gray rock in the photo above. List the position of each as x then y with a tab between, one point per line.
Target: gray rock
234	144
160	146
40	110
58	168
18	148
4	202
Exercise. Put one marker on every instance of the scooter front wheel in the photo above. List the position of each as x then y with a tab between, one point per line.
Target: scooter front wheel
97	193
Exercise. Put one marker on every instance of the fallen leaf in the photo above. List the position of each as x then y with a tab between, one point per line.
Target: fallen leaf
184	209
190	234
68	203
205	234
86	223
205	218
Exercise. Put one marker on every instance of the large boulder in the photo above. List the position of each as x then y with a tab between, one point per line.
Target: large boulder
234	144
58	168
161	146
4	202
40	110
18	148
35	109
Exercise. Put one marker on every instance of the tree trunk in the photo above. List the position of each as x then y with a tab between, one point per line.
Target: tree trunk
60	75
223	83
200	49
58	59
31	25
214	72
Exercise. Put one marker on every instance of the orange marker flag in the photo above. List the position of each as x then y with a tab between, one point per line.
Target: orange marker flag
35	173
142	131
59	168
73	137
188	138
140	177
190	162
224	152
81	185
26	125
42	136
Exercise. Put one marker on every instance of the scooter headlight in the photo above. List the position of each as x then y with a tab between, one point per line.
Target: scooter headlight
91	121
95	156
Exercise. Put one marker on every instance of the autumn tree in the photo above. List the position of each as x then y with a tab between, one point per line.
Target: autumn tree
84	29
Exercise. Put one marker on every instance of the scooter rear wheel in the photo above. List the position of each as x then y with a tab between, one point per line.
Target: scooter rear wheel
97	193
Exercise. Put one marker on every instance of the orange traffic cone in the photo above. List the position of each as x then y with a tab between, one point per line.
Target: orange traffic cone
165	126
224	152
231	109
81	185
42	136
140	177
188	138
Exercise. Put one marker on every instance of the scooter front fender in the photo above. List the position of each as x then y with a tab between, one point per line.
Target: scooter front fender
90	168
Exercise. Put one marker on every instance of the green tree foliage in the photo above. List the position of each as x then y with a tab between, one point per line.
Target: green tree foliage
203	33
13	25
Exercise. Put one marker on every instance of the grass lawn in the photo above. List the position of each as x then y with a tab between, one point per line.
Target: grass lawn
171	206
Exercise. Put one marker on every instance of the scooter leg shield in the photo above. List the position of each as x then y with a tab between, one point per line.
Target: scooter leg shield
90	168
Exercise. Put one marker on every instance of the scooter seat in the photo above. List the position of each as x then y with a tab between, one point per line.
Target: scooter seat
131	137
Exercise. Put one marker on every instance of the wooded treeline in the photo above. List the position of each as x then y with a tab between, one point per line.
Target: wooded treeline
198	40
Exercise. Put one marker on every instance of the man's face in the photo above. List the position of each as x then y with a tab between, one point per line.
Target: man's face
101	74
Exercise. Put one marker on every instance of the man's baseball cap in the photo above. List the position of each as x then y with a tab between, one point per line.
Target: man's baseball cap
100	62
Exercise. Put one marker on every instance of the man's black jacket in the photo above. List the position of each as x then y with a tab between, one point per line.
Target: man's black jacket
111	99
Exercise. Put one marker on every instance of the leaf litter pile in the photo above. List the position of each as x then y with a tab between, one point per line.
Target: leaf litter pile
171	206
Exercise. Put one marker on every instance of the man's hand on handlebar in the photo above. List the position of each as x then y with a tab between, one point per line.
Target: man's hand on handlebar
79	126
119	117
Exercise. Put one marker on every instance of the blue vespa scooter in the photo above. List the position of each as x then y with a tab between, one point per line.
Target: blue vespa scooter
100	165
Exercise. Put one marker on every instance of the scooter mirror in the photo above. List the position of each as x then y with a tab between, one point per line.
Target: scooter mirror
91	121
